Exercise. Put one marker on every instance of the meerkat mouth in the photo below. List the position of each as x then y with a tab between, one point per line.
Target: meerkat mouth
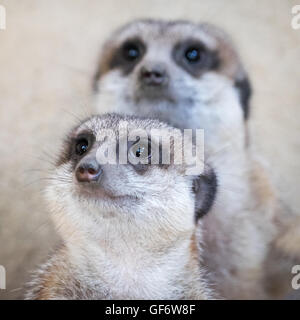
154	95
100	194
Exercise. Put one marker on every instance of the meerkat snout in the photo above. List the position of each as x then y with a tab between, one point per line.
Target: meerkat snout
88	170
153	74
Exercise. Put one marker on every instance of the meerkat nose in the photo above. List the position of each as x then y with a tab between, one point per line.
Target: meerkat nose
88	170
155	75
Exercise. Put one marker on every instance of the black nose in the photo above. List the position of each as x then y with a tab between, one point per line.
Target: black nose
153	76
88	170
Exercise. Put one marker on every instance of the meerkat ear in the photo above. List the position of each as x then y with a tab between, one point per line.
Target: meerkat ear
244	88
205	188
95	81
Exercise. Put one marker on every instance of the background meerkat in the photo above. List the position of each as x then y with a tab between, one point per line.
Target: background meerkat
184	73
128	230
190	76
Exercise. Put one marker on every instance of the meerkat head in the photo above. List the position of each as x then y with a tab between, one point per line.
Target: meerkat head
109	175
186	74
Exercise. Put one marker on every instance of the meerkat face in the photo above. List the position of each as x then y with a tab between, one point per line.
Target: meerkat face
186	74
93	181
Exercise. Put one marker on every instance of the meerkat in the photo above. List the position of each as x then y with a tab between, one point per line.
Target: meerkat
183	73
191	76
128	230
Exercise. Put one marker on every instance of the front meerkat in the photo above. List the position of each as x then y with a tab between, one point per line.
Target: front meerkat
128	229
191	76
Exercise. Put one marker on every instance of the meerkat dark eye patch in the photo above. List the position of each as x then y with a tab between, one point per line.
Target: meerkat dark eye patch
140	150
143	154
131	51
194	57
193	54
128	55
205	189
139	154
80	146
75	147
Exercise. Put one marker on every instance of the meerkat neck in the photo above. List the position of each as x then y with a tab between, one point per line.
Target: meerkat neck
135	261
131	243
131	269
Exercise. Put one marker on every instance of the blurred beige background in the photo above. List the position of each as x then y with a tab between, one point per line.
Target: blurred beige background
48	55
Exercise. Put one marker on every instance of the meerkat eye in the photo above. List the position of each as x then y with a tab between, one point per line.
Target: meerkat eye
131	51
81	146
141	150
193	54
